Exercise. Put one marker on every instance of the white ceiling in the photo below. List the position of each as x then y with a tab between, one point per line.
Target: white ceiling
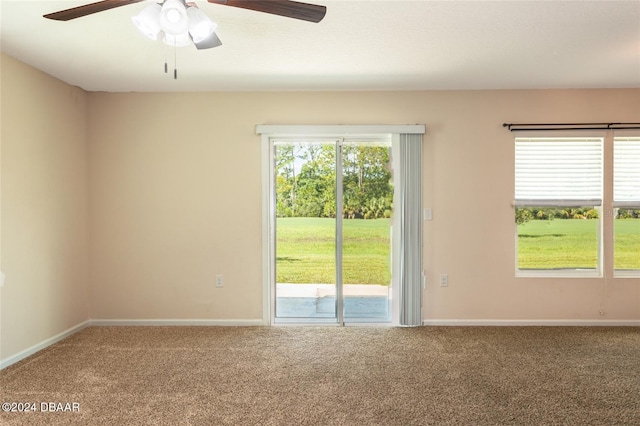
360	45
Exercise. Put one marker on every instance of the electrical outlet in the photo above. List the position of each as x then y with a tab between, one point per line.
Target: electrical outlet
219	281
444	280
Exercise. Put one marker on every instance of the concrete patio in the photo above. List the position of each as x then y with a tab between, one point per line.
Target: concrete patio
315	301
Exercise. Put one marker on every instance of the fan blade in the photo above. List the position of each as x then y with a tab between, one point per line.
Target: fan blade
289	9
88	9
209	42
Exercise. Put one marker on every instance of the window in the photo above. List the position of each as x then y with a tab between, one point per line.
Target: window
558	200
626	203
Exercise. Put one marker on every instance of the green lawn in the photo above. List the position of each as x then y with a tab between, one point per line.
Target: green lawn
305	248
572	243
627	243
305	251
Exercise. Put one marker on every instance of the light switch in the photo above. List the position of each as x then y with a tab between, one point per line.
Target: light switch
427	214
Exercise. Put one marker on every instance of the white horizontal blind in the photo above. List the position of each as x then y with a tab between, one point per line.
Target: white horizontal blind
558	172
626	172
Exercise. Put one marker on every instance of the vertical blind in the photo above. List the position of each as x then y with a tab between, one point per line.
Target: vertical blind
626	172
410	155
563	172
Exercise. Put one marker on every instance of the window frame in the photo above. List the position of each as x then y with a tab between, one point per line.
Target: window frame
564	272
621	273
620	137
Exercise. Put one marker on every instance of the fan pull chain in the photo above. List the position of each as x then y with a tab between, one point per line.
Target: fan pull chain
166	65
175	62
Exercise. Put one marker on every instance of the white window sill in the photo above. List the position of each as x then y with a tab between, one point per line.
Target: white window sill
558	273
626	273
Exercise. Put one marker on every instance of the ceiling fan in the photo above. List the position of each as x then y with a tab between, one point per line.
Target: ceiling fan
183	23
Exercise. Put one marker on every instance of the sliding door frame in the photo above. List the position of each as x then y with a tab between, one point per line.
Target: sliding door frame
331	132
338	237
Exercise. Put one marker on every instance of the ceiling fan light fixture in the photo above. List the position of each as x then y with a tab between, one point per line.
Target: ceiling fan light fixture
148	21
200	26
173	18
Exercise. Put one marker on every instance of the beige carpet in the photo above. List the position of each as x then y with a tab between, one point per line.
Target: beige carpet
332	376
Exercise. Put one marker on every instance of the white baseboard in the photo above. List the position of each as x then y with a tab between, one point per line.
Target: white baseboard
40	346
177	322
259	322
524	323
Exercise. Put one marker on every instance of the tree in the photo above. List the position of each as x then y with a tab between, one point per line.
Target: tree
367	187
316	181
306	180
285	159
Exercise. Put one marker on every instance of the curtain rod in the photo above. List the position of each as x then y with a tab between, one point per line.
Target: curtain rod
521	127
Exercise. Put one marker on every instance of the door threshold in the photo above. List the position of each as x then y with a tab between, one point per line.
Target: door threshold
330	323
299	323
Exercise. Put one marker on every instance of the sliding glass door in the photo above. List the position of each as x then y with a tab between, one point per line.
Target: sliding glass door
332	215
367	194
305	230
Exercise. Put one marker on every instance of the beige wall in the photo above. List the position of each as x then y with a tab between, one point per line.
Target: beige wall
175	199
126	206
44	207
176	193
